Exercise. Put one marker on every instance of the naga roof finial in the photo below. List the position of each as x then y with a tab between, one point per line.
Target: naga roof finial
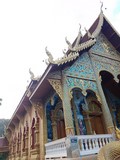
79	36
69	44
50	57
31	74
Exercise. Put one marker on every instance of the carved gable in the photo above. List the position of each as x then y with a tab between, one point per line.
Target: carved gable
104	48
81	68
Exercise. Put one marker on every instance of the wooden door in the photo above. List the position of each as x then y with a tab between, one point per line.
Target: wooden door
97	124
61	129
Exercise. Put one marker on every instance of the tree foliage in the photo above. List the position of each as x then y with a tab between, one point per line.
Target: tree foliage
3	124
4	156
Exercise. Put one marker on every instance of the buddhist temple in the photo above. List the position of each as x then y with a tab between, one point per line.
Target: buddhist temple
71	111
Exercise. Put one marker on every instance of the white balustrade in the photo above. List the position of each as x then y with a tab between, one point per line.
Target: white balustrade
56	149
88	144
91	144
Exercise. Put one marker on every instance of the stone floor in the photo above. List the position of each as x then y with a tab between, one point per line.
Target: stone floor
91	157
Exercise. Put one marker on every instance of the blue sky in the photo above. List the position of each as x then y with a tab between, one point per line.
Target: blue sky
27	27
117	8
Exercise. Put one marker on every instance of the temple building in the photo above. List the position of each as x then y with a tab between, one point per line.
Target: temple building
73	108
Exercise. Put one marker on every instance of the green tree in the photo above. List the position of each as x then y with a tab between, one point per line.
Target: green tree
3	123
4	156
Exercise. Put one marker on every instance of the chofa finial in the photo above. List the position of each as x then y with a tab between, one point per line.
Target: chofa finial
79	27
101	7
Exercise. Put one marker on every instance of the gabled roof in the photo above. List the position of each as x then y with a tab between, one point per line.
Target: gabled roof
108	30
101	24
80	44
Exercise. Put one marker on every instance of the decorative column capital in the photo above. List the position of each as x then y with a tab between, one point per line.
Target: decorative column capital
38	105
69	131
56	84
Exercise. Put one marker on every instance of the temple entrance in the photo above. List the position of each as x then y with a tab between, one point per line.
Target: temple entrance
87	114
111	90
61	129
94	116
96	124
55	119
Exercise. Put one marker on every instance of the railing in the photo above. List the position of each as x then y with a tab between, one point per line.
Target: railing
87	144
91	144
56	149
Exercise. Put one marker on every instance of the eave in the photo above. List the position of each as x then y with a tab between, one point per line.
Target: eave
43	86
112	35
